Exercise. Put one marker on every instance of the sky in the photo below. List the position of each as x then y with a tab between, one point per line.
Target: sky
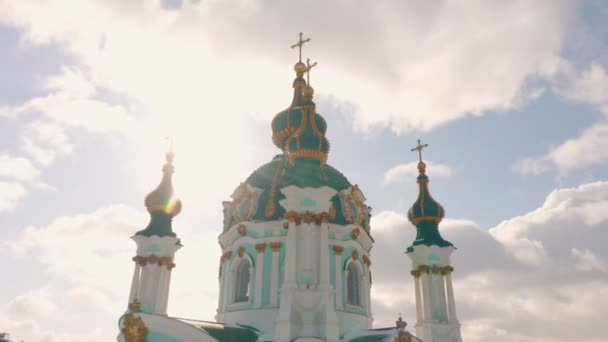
512	98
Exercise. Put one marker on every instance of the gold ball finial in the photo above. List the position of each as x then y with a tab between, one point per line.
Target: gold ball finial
421	167
300	68
400	323
308	92
135	305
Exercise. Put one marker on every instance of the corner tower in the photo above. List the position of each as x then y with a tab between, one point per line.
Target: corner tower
156	247
431	266
295	257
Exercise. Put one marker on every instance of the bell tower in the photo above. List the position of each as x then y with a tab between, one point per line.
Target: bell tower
156	247
431	266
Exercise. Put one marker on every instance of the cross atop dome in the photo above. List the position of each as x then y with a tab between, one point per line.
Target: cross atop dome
419	148
299	45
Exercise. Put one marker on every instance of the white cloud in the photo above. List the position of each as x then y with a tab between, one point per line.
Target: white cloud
44	141
11	194
36	303
590	147
502	292
72	102
18	169
590	86
407	172
91	253
588	261
411	73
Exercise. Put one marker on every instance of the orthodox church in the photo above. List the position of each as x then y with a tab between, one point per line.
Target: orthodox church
296	241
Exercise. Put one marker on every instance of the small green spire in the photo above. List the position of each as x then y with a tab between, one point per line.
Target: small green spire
426	213
161	204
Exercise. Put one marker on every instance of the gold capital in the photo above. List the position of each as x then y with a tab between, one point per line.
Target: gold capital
260	247
275	246
338	249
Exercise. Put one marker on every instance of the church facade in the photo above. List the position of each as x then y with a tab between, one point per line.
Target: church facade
296	241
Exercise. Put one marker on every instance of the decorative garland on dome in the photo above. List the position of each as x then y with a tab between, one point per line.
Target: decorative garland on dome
415	221
270	207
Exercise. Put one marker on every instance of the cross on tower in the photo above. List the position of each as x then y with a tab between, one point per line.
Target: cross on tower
419	148
299	44
308	67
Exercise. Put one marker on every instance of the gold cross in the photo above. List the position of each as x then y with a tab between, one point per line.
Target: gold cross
308	67
299	44
419	148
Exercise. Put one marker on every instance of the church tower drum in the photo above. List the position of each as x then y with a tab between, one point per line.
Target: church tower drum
156	247
295	257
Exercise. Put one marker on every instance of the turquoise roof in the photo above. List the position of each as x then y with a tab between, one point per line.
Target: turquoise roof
378	335
303	173
223	332
310	135
425	214
287	121
161	205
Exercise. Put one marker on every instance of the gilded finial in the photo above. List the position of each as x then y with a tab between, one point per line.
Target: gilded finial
135	305
400	323
308	68
300	68
308	91
170	154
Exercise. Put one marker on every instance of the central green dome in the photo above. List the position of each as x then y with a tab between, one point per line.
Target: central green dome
299	131
305	172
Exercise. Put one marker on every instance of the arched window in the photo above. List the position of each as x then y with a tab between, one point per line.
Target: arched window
241	284
353	286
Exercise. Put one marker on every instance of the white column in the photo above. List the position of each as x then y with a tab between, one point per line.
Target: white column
324	281
146	282
368	288
224	285
426	297
251	294
450	295
259	272
338	260
228	280
274	273
161	297
291	256
135	283
220	281
442	300
418	299
167	286
165	301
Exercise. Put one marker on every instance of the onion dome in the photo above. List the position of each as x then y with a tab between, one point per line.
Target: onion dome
162	205
287	121
309	140
426	213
